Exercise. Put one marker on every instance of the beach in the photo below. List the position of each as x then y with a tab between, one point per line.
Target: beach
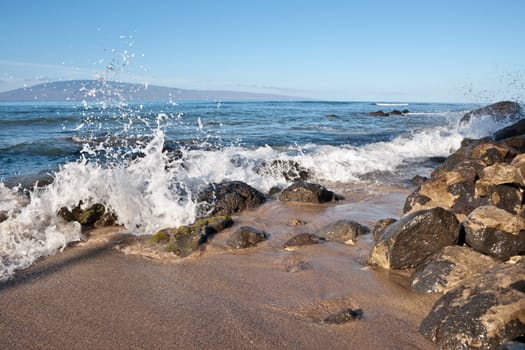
93	295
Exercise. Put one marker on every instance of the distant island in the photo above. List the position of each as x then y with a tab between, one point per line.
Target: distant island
79	90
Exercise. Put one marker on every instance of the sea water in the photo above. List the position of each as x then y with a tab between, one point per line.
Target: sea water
146	160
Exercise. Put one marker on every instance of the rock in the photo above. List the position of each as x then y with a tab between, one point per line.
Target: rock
107	219
307	192
246	237
483	312
228	198
499	111
344	316
3	215
516	129
418	180
274	190
505	197
432	193
184	240
495	232
396	112
86	217
290	170
489	152
499	174
380	227
344	231
379	114
405	111
411	240
332	116
303	239
449	267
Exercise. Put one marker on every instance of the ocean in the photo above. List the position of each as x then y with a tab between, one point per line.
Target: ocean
145	161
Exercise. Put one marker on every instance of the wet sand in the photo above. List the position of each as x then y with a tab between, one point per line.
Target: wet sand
93	296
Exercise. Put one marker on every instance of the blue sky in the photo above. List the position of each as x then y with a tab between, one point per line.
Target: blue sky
446	50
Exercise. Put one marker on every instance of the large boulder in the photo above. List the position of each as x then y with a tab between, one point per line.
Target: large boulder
449	267
344	231
228	198
498	174
246	237
410	241
495	232
499	111
302	191
483	312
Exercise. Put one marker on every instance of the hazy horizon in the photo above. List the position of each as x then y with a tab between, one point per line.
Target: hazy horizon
376	51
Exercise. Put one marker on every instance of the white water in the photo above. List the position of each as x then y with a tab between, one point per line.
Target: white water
154	191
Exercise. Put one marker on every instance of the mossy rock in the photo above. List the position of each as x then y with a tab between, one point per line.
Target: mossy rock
184	240
161	237
89	216
86	217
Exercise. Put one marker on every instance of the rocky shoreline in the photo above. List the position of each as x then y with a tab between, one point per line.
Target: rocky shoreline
461	237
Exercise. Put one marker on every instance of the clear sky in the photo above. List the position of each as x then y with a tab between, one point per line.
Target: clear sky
442	50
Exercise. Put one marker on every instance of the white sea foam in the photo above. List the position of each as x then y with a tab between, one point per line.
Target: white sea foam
144	194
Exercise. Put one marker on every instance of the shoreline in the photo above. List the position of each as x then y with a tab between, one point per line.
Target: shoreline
93	296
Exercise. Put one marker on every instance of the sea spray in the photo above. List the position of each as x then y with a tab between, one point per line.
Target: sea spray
143	192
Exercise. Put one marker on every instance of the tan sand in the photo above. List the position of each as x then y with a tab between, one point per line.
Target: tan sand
92	296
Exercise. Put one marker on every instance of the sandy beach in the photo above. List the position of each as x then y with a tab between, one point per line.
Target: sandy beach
94	296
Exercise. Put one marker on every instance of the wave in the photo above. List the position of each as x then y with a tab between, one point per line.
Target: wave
156	189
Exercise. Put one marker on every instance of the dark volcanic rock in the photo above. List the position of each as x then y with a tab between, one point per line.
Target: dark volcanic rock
516	129
411	240
344	231
496	232
380	227
343	316
449	267
379	114
229	198
499	111
246	237
303	239
396	112
307	192
483	312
